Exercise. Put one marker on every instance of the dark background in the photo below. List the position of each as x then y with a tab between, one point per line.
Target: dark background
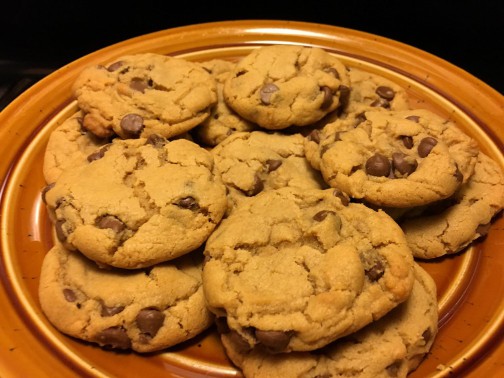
37	37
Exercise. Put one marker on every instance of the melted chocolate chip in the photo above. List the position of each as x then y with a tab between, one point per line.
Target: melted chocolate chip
60	233
114	66
110	310
407	141
156	140
393	369
345	200
344	95
222	326
483	229
426	335
98	154
266	91
328	97
332	71
375	272
132	124
321	215
45	190
413	118
257	188
110	221
273	164
149	321
139	85
314	136
114	337
274	341
378	165
188	203
69	295
426	145
403	163
385	92
381	103
458	175
239	342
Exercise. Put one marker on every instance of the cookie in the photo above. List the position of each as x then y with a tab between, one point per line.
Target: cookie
223	121
69	145
450	226
144	94
390	347
140	202
281	85
371	90
395	159
295	269
252	162
141	310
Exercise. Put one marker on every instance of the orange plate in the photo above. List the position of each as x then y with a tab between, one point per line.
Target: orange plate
470	285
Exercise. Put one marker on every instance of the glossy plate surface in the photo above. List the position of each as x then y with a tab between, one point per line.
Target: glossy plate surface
470	284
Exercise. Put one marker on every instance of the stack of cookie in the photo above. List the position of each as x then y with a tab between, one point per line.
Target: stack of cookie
284	198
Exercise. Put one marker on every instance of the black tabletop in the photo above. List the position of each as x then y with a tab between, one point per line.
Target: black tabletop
38	37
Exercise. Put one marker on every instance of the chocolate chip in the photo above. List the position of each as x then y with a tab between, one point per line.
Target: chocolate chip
332	71
426	145
45	190
132	124
113	337
378	165
345	200
321	215
376	271
328	97
60	233
266	91
483	229
407	141
69	295
404	164
239	342
274	341
458	175
385	92
156	140
273	164
413	118
314	136
98	154
110	221
138	84
110	310
149	320
115	66
188	203
359	118
426	335
380	103
344	95
257	188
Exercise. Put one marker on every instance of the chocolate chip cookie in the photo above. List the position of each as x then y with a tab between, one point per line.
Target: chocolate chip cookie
282	85
395	159
69	145
144	94
223	121
141	310
138	202
295	269
252	162
449	226
390	347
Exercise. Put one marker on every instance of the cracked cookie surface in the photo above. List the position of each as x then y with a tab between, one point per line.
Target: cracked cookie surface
253	162
144	94
281	86
395	159
69	145
139	202
295	269
142	310
449	226
223	121
402	337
